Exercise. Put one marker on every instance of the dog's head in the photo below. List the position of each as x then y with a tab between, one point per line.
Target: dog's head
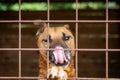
57	39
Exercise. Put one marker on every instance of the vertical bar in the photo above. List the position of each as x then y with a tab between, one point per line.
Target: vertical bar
107	40
48	10
19	65
48	18
76	39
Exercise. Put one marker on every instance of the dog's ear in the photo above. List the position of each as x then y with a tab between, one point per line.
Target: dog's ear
66	26
41	25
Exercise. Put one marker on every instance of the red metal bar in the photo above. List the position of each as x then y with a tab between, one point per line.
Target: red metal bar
61	21
76	39
21	78
48	19
19	54
106	55
36	49
84	78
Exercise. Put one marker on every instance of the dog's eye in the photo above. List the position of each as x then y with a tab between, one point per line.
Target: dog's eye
45	40
66	38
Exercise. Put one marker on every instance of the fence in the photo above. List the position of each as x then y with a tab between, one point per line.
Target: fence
78	50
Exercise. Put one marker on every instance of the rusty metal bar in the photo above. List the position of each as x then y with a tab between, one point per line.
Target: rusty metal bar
76	35
61	21
35	49
84	78
19	44
22	78
48	24
106	55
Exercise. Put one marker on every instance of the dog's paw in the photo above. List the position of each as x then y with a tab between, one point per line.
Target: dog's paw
56	73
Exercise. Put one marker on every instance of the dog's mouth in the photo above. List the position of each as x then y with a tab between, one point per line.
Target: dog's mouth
59	56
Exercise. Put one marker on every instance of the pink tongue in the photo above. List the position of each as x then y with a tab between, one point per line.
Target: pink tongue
59	55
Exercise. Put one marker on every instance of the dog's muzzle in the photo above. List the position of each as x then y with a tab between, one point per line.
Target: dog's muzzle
59	56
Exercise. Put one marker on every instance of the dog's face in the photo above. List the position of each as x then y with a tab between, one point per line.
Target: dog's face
57	39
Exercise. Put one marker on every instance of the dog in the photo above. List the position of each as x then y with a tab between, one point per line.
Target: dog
61	62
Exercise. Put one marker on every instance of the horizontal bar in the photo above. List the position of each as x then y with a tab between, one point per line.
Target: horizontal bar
22	78
61	21
86	78
34	49
69	78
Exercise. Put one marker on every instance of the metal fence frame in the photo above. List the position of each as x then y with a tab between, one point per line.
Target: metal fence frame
76	21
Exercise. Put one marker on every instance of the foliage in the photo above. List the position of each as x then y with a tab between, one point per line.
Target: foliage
42	6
